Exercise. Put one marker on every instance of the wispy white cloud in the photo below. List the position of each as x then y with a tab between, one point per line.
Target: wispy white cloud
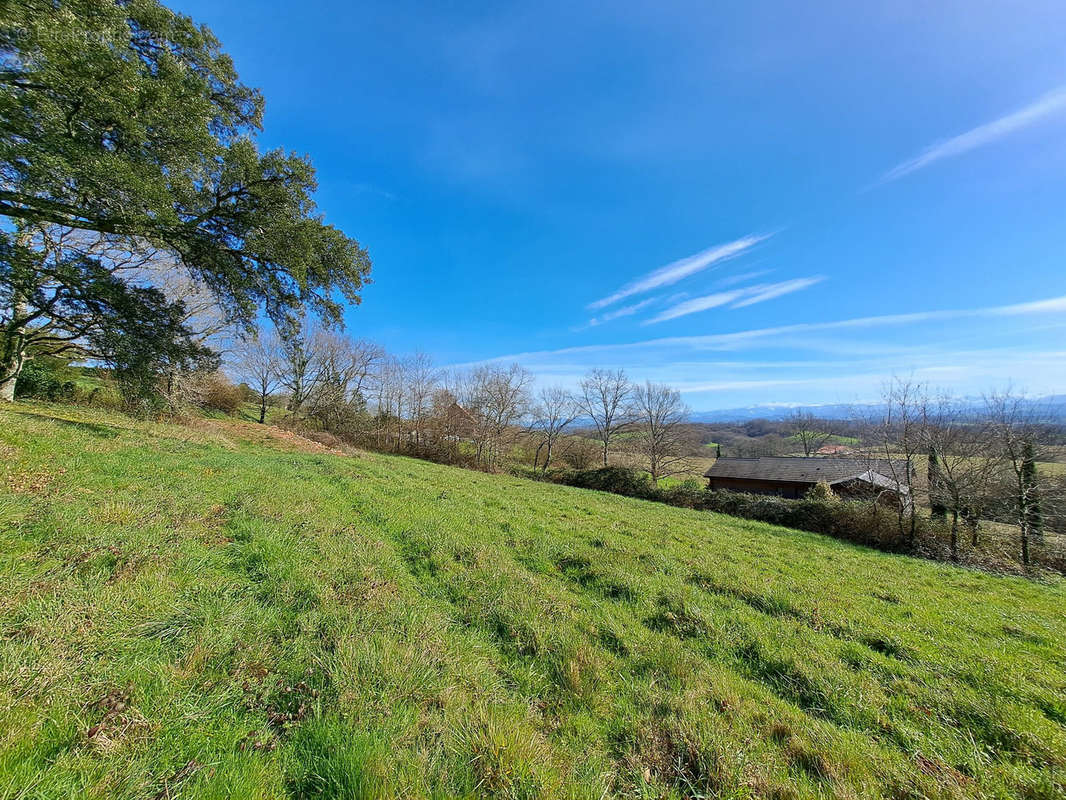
696	304
1049	104
780	334
677	270
735	298
624	311
769	292
1051	305
732	280
720	384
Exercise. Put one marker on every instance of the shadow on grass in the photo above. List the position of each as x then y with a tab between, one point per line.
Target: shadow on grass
99	429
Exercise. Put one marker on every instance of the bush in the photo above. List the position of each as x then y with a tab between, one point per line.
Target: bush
861	522
822	491
42	379
579	453
686	495
618	480
220	394
325	438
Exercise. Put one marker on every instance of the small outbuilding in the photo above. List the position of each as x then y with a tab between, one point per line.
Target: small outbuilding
887	480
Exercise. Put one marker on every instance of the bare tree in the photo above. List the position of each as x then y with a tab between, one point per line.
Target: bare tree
390	401
499	398
553	412
1016	437
43	308
422	382
207	320
204	316
345	369
301	363
899	441
659	416
351	364
259	365
812	433
965	469
604	396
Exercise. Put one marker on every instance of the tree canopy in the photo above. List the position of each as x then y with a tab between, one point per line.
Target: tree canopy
125	119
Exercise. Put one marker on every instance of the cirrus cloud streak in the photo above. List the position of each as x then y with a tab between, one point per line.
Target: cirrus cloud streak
1051	103
735	298
683	268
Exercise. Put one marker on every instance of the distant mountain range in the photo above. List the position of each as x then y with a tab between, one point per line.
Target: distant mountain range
1051	408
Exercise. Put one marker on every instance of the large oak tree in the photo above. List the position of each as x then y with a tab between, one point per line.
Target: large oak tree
125	121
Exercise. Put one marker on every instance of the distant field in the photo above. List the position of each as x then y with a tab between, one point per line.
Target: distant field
229	611
832	439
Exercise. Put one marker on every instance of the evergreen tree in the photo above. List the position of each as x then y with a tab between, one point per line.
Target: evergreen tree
937	508
1030	499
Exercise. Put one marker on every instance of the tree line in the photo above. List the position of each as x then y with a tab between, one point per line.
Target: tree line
356	390
964	464
974	462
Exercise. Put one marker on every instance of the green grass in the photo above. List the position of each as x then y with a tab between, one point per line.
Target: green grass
831	439
186	613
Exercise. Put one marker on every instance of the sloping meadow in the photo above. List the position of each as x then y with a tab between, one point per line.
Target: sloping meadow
199	616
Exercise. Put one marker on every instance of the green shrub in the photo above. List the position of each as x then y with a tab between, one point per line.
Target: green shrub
688	494
861	522
42	379
617	480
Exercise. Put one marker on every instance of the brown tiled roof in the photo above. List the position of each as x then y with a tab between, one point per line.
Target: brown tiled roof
804	470
455	413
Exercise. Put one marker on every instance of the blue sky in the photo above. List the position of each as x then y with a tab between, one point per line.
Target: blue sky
757	202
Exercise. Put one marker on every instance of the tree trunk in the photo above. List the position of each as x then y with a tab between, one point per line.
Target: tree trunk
954	535
14	352
605	452
1025	544
536	456
262	409
547	456
11	371
7	385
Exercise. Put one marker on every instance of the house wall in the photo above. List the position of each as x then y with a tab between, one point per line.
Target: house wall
778	488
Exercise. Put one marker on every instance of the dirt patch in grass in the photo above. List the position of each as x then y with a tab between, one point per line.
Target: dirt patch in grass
119	722
941	772
369	591
31	481
266	435
660	752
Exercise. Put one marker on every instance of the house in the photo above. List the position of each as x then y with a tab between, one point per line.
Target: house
833	450
793	476
457	421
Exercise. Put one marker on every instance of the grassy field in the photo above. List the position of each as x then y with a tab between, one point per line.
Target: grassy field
223	611
831	439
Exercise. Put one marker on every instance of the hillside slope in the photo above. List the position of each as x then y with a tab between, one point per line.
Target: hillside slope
213	613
